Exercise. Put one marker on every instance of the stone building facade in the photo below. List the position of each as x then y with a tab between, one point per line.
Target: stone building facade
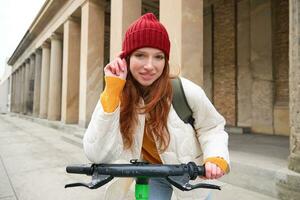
237	50
247	67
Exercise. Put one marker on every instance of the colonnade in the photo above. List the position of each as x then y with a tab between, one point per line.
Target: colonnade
62	78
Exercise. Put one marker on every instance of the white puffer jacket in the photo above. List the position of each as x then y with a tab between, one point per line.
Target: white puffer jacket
103	141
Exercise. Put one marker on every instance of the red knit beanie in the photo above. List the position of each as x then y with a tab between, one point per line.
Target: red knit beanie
146	31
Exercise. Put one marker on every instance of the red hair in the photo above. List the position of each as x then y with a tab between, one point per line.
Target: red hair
157	101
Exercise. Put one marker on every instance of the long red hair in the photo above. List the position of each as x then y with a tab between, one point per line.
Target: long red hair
157	101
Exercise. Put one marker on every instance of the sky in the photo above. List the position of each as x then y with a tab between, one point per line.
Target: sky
15	18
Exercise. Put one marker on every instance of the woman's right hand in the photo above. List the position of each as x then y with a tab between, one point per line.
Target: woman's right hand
116	68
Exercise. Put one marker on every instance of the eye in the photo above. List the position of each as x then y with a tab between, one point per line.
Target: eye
160	57
139	55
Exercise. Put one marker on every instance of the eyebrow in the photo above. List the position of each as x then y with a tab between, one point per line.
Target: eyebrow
140	51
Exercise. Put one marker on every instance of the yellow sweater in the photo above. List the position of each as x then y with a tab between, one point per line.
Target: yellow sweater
110	99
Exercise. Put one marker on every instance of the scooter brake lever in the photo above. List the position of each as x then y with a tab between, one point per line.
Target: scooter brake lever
204	185
97	181
182	183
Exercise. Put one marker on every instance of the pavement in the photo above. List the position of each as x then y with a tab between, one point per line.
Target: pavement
34	153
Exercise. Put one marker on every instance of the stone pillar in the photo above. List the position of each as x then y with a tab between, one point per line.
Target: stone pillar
37	83
22	89
294	82
31	83
91	58
281	66
18	89
244	74
55	79
71	68
45	80
123	13
288	184
26	105
262	66
12	92
16	92
184	22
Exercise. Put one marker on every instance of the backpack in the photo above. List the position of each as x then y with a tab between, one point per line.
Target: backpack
180	103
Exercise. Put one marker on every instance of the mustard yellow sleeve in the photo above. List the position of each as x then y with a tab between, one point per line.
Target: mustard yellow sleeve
220	162
110	97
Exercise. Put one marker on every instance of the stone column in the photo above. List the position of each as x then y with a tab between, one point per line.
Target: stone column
123	13
288	184
26	105
45	80
22	88
244	74
262	66
280	17
54	98
71	68
12	92
37	83
91	58
31	83
184	22
18	90
294	82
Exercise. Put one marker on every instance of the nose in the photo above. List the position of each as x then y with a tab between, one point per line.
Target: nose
149	64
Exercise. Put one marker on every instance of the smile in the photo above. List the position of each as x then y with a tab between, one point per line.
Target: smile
147	76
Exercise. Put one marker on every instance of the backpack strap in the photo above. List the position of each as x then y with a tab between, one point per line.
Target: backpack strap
180	103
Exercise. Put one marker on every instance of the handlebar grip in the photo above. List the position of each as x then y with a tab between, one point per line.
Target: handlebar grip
201	170
80	169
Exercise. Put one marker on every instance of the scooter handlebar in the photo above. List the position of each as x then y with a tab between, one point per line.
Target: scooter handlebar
178	175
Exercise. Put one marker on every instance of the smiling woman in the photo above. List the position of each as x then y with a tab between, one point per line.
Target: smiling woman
135	119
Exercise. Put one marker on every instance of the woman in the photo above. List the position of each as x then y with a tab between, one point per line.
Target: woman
135	118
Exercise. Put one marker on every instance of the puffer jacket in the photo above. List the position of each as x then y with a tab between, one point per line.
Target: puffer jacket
103	141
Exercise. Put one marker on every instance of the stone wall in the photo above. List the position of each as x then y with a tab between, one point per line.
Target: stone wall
246	63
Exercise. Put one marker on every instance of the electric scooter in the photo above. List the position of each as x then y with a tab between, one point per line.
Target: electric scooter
177	175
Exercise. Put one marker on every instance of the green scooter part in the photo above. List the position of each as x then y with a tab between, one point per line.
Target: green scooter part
142	188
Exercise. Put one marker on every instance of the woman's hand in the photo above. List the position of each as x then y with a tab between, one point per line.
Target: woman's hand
116	68
212	171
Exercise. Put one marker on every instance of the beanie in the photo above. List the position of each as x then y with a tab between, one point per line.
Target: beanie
146	31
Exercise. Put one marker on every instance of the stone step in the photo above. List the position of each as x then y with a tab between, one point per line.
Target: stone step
71	133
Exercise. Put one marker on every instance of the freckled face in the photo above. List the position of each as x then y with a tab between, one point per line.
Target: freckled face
147	65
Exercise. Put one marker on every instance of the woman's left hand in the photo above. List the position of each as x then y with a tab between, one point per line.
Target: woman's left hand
212	171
